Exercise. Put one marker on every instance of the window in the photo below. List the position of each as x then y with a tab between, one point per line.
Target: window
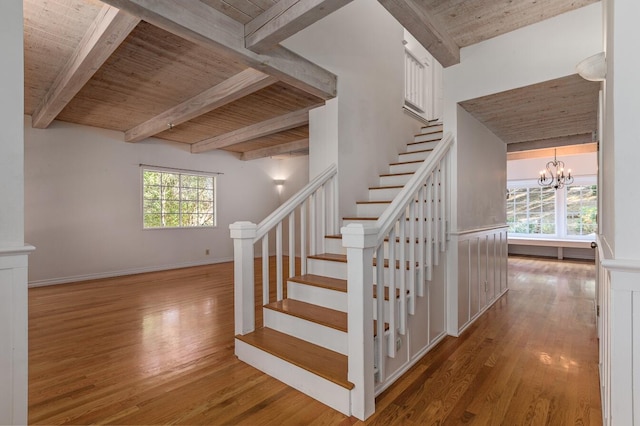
582	208
531	210
173	199
570	212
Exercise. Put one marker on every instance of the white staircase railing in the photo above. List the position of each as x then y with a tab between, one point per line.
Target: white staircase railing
416	220
308	216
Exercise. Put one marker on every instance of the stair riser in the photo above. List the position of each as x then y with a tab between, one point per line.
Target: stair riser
428	137
430	129
309	331
335	300
404	168
383	194
371	210
339	270
334	246
413	156
394	180
324	297
325	391
422	146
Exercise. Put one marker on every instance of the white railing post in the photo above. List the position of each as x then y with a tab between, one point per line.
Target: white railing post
360	241
243	234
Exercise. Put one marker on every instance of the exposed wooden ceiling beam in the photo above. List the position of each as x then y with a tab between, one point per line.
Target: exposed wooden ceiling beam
284	19
203	25
549	152
550	142
426	29
268	127
107	31
234	88
270	151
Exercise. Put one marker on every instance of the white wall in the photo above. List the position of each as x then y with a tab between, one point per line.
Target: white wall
622	140
362	44
529	168
620	233
83	202
13	253
482	179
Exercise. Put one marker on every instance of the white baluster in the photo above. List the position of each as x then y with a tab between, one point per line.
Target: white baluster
392	292
265	270
380	348
303	238
422	235
412	256
279	261
323	217
429	227
292	244
312	224
403	272
443	206
436	217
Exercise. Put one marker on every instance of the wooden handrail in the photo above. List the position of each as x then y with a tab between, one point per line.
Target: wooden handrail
292	203
397	207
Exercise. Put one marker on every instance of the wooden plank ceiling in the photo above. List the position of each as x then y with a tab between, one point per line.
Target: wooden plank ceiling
552	113
180	71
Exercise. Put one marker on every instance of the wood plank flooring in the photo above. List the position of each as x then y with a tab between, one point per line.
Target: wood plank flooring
158	349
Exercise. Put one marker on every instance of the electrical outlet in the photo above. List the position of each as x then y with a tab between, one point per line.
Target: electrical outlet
398	343
206	252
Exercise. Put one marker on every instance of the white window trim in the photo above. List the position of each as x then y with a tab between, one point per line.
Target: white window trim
214	175
560	209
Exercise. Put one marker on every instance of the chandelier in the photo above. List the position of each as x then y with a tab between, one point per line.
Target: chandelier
555	171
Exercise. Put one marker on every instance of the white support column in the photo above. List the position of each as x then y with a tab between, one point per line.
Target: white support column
13	335
243	234
13	252
360	241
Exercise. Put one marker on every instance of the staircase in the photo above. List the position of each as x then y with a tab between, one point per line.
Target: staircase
305	340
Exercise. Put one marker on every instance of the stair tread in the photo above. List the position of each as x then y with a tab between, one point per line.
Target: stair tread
397	174
406	162
323	362
386	187
314	313
373	202
415	152
330	256
322	281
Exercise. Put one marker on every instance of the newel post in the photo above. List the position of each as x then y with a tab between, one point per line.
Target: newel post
360	241
243	234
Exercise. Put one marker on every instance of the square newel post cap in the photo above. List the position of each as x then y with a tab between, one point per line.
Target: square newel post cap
359	235
243	230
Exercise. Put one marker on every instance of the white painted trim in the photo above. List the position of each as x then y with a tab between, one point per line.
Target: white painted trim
16	250
306	330
122	272
546	242
469	232
329	393
411	113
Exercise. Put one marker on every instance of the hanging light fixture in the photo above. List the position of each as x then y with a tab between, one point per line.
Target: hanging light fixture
556	177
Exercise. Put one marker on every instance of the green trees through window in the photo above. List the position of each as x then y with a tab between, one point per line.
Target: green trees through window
177	200
568	212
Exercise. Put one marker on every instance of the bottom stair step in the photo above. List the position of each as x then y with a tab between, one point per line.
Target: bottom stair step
322	362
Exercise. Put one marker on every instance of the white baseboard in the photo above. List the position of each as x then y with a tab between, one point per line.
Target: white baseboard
131	271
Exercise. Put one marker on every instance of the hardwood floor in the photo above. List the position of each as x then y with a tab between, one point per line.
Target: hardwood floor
158	348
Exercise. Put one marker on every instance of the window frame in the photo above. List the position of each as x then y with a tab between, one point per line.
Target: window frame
180	173
560	208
